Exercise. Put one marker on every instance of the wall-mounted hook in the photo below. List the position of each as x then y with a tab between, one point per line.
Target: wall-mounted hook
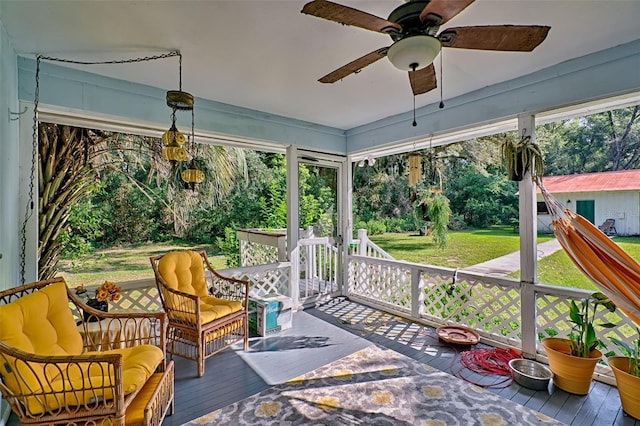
13	116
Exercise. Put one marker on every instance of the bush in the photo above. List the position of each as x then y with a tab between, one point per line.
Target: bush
229	247
85	224
397	224
376	227
457	223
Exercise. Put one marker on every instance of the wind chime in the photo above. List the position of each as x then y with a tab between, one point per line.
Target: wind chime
415	171
178	100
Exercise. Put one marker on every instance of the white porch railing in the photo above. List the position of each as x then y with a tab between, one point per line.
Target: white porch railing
490	305
429	294
314	267
261	247
318	264
363	246
264	279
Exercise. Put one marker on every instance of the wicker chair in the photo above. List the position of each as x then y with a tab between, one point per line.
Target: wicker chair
207	311
51	375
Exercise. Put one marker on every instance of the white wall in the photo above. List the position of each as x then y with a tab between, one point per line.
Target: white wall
9	170
623	206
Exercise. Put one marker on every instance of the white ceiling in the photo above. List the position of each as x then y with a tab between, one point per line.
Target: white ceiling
266	55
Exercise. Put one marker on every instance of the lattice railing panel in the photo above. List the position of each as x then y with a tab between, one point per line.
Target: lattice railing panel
252	254
136	295
382	282
552	320
264	279
490	308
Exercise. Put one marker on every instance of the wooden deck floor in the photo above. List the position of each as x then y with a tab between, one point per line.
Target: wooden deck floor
228	378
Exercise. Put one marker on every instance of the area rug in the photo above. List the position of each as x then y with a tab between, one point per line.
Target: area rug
309	344
375	386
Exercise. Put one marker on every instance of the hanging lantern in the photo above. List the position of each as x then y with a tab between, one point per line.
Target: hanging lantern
173	135
177	100
192	176
174	140
414	169
174	153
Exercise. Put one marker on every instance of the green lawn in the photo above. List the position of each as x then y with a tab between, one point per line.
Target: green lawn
558	269
467	248
464	248
121	263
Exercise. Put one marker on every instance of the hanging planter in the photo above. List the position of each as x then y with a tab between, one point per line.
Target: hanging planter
521	156
434	209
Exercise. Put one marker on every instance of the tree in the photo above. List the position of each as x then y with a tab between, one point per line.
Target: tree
599	142
70	162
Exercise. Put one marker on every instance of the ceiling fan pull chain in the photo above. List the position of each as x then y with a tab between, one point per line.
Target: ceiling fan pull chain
413	80
441	82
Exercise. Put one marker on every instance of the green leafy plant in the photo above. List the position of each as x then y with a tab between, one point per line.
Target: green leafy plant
230	247
520	156
435	209
633	352
583	335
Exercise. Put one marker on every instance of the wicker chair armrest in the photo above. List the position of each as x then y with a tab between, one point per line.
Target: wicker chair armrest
111	358
180	306
56	385
228	288
113	330
224	287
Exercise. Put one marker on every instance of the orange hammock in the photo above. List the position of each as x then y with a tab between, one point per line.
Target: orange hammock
613	271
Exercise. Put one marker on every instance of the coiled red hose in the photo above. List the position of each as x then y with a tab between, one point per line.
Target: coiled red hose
493	361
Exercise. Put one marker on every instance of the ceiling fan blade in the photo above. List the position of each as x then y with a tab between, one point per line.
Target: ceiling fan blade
423	80
354	67
441	11
349	16
511	38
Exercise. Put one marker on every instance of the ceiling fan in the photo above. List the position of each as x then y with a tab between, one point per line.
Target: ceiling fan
413	27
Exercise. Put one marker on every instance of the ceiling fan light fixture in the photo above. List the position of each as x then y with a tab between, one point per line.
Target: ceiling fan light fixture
414	53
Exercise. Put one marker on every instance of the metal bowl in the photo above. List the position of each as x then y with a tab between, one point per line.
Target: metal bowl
530	374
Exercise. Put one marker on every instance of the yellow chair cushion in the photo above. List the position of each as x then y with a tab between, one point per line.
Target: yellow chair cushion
138	364
183	271
38	323
136	410
212	308
41	323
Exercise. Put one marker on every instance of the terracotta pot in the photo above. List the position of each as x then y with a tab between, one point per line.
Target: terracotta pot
570	373
628	385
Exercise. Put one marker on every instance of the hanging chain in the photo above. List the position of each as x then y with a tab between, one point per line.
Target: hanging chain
34	151
117	61
180	71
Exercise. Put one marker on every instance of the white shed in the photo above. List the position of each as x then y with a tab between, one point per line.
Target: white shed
598	197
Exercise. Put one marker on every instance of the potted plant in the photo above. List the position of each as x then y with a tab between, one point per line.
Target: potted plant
520	156
626	370
107	292
573	360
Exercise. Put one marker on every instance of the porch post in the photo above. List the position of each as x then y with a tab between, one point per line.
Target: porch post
528	247
347	223
293	215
